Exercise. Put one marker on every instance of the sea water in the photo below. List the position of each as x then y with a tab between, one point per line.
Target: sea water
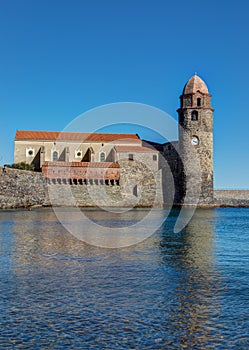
170	291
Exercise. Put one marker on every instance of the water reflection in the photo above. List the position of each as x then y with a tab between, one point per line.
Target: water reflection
195	307
166	292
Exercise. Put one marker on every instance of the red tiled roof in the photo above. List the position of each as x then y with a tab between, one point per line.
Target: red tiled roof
82	164
141	149
81	171
73	136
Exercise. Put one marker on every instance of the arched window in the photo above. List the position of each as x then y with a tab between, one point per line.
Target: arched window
194	116
198	102
102	157
55	156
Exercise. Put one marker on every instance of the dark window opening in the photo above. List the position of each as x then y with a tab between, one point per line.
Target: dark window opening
194	116
135	191
198	102
131	157
154	157
102	157
55	156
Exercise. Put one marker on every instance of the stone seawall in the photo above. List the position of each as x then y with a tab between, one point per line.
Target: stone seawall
138	188
23	189
233	198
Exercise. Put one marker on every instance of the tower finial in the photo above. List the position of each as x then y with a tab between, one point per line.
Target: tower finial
195	73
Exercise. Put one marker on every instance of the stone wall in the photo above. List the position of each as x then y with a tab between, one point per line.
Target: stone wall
138	188
171	165
197	159
234	198
83	195
21	188
140	184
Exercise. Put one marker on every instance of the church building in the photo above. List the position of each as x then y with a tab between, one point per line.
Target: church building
182	170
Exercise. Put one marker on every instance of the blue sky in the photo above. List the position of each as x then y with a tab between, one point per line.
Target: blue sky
60	58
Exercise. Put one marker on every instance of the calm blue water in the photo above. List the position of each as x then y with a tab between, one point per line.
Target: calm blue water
172	291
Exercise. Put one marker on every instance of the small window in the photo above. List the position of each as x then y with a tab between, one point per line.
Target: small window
29	152
102	157
194	116
154	157
198	102
131	157
55	156
78	154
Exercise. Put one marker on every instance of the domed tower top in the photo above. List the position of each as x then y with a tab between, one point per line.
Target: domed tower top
194	85
195	94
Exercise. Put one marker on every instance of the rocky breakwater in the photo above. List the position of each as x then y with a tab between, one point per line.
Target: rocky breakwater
231	198
21	188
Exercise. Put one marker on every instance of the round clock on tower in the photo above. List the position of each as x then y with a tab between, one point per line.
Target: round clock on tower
196	131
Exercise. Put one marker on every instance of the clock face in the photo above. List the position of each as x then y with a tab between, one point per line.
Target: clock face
194	140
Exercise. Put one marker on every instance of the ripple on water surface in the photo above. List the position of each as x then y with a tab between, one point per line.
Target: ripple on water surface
186	290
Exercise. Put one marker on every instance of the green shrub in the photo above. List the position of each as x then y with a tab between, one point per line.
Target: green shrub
21	166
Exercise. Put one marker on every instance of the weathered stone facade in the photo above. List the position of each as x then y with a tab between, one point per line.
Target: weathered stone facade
21	188
196	142
138	187
123	170
24	189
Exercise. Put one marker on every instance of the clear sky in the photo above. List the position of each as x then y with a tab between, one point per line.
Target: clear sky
60	58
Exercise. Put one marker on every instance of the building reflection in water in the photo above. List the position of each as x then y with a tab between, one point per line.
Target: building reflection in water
168	285
46	241
194	309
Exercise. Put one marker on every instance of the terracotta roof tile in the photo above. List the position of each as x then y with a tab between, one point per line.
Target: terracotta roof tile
73	136
195	84
82	164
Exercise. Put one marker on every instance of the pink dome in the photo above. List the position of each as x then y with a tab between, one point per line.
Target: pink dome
195	84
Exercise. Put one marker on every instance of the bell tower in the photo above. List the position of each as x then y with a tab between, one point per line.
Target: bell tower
196	141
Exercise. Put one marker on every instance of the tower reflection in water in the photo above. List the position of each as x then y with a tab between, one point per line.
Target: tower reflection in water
189	258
